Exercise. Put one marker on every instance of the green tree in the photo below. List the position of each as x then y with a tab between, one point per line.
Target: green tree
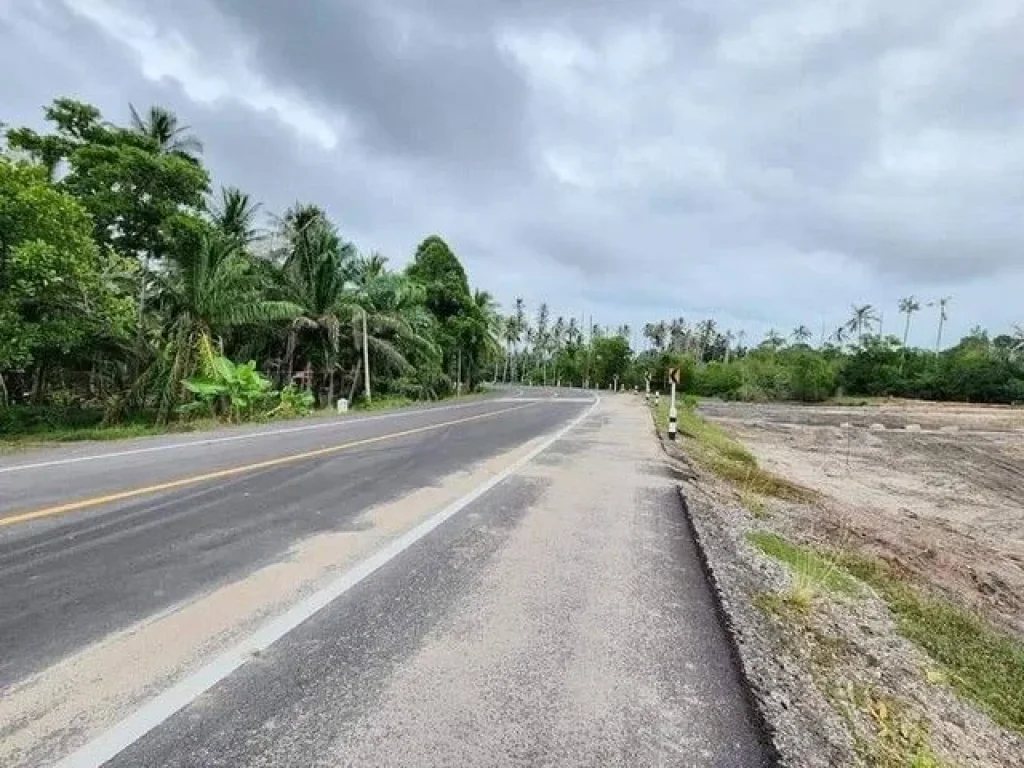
161	126
235	215
205	294
908	306
59	290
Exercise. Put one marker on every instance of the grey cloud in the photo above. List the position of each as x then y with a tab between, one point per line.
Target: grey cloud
727	159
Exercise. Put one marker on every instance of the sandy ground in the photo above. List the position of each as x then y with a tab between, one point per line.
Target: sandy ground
937	488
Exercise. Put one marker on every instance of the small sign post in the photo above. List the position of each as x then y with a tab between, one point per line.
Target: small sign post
673	415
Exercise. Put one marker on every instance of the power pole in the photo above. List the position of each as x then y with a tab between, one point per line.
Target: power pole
366	362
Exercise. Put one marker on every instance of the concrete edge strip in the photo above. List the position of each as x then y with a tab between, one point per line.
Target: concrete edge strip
332	422
723	608
109	744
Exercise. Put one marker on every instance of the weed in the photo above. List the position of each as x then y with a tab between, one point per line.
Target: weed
711	447
811	570
980	662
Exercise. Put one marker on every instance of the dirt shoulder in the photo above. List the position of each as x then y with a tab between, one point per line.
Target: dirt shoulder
874	610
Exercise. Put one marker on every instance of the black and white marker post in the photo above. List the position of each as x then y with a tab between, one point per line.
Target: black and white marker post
673	415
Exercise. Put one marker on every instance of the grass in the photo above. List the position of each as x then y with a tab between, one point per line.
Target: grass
811	570
112	432
714	449
980	662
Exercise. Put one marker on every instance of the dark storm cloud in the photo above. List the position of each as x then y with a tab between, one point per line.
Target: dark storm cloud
688	157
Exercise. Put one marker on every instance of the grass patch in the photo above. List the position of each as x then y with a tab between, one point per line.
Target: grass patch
980	662
811	570
714	449
385	403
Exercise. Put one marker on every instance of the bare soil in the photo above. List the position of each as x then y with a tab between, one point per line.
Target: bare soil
936	488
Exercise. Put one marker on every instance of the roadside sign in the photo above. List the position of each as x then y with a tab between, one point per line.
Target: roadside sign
673	375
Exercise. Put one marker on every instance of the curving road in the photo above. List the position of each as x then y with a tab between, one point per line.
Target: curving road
504	581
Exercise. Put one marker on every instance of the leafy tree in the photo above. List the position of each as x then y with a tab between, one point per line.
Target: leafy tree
59	290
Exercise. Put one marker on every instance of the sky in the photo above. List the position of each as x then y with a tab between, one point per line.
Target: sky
768	164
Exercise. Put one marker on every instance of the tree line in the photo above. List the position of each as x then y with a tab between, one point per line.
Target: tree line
856	359
129	288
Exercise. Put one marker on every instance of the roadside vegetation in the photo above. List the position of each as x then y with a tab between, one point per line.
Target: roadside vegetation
827	613
712	448
136	295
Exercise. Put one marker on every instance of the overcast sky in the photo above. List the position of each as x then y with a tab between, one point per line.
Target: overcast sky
765	163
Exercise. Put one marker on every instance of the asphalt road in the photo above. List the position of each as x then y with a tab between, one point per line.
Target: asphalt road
441	586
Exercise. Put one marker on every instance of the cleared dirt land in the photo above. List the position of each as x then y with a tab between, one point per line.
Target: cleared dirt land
936	488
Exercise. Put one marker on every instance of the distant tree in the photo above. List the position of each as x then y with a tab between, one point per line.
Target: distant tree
908	306
161	125
773	340
863	319
802	334
943	317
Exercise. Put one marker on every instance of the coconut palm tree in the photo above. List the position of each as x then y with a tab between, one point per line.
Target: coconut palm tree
161	125
862	320
802	334
206	292
657	333
908	306
235	215
943	317
705	334
773	340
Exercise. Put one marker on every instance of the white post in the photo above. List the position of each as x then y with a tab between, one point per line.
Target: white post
657	398
366	362
647	388
673	415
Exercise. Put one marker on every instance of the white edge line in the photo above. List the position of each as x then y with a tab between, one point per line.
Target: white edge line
109	744
248	436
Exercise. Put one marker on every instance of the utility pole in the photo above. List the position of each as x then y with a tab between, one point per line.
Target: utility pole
366	362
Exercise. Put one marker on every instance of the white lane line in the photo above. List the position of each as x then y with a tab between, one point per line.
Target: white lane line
234	438
553	399
108	745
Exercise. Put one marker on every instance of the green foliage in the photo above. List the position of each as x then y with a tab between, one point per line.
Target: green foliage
59	289
292	402
810	568
981	662
225	389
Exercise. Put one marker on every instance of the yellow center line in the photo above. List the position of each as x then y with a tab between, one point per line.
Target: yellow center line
96	501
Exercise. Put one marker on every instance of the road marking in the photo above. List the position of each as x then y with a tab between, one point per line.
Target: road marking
234	438
96	501
108	745
555	399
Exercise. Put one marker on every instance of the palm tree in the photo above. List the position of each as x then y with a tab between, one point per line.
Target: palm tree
943	317
1018	339
161	125
558	331
207	292
705	333
511	336
678	334
802	334
521	325
235	215
773	340
862	320
367	268
657	333
908	306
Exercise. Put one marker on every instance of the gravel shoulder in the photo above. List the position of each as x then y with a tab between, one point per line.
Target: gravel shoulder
833	675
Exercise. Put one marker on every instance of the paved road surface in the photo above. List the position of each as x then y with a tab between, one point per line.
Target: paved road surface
428	588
